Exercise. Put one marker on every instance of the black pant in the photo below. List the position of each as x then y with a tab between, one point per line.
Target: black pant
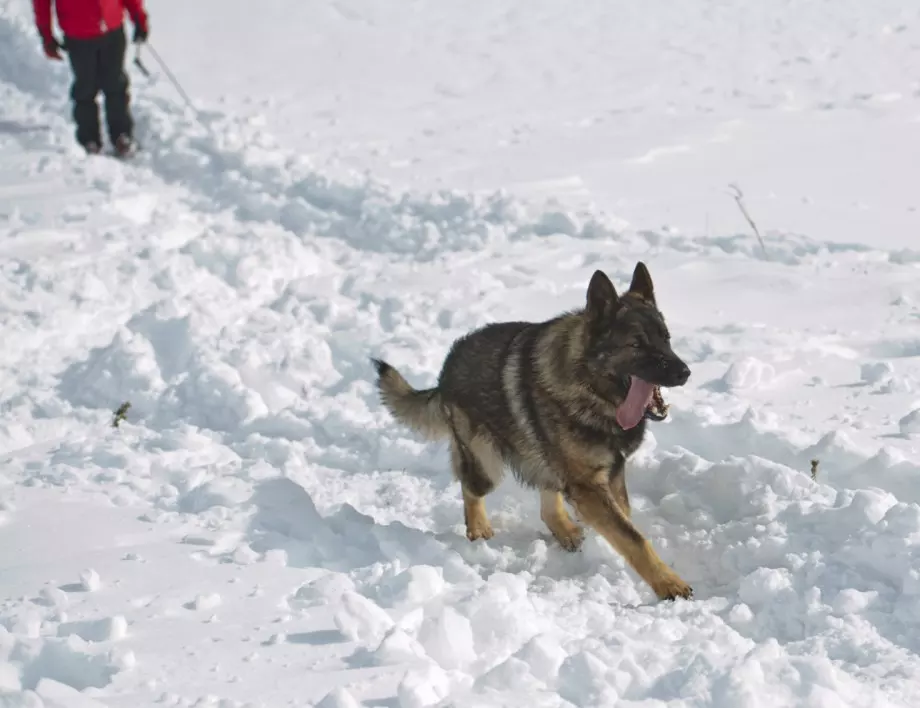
99	65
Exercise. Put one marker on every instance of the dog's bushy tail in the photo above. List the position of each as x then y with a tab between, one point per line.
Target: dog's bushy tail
422	411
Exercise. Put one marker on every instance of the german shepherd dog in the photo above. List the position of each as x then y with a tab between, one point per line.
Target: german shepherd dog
563	404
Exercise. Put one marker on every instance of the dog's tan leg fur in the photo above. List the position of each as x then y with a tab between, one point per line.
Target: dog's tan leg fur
477	521
596	505
552	511
477	466
618	487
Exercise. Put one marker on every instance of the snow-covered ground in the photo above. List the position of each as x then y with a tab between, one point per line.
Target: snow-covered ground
372	180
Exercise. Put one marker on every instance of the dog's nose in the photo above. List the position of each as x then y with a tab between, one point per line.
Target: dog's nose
683	372
679	371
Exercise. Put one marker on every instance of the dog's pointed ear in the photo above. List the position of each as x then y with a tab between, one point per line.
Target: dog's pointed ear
641	284
602	299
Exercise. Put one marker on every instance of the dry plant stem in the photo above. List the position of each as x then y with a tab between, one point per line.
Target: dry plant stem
739	196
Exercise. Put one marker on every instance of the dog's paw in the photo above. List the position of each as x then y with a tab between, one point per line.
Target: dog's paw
672	587
482	529
570	537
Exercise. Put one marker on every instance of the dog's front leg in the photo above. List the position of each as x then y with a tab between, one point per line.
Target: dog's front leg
595	504
618	488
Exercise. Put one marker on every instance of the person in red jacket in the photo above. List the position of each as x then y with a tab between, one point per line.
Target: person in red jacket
96	44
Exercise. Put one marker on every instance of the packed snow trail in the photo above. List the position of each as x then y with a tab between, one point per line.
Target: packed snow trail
259	532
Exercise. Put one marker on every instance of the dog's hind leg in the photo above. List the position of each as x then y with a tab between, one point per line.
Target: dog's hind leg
474	514
478	467
552	511
596	505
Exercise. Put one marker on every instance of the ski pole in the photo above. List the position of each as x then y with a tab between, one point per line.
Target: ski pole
140	65
169	74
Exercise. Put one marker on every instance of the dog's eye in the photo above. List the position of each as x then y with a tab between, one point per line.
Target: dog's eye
636	345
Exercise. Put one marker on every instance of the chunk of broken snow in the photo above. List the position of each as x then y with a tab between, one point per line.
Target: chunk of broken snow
910	424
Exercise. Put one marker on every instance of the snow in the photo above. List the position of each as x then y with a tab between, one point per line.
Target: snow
367	180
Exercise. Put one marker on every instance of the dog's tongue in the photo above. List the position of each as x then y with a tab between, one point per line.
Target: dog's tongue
631	410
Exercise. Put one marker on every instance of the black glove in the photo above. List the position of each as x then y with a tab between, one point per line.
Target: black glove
141	31
52	48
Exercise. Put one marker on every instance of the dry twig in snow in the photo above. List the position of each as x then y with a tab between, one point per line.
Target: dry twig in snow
739	195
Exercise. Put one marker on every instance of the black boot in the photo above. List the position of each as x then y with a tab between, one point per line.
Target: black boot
125	146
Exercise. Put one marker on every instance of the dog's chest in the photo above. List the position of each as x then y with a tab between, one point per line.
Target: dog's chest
605	435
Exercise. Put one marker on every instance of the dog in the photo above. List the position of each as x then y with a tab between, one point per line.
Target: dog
563	404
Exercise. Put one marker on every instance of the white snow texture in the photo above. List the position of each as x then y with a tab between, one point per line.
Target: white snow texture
363	179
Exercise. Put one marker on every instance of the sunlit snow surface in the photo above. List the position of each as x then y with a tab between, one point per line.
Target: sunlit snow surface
373	180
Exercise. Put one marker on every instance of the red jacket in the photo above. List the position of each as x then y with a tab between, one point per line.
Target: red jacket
84	19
